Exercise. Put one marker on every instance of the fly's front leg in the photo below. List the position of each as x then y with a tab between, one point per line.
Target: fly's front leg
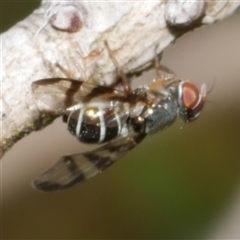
164	76
163	72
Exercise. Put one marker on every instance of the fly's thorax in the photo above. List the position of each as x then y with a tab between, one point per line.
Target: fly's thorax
156	117
161	115
157	112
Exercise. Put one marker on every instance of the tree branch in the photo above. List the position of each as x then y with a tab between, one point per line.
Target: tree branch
72	34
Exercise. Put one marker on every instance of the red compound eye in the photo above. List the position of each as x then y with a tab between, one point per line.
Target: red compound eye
192	101
190	95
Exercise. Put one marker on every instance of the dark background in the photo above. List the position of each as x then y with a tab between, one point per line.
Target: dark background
183	182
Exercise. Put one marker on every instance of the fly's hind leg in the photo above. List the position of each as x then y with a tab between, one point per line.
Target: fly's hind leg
120	72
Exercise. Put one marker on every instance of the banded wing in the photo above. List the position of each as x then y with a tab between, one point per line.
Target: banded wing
73	169
62	93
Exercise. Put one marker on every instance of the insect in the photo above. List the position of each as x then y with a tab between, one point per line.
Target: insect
119	120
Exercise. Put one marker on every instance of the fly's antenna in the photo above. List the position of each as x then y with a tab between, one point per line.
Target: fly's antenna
204	91
213	84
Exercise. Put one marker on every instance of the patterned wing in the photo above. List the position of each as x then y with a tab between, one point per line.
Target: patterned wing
62	93
73	169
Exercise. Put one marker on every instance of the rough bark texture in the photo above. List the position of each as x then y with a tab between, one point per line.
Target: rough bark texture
72	35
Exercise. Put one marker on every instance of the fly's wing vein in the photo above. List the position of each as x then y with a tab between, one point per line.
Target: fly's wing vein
73	169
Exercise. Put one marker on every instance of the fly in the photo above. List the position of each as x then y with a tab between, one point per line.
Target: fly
119	120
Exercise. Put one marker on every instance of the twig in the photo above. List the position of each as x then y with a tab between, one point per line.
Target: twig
71	34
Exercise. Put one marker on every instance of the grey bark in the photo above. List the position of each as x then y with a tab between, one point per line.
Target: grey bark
72	34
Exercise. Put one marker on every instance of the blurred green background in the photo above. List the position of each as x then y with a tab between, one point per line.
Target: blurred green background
183	182
14	11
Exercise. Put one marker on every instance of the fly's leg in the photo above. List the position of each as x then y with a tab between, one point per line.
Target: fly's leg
120	72
163	72
65	71
164	76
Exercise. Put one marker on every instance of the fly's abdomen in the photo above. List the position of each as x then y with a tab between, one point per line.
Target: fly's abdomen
94	124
